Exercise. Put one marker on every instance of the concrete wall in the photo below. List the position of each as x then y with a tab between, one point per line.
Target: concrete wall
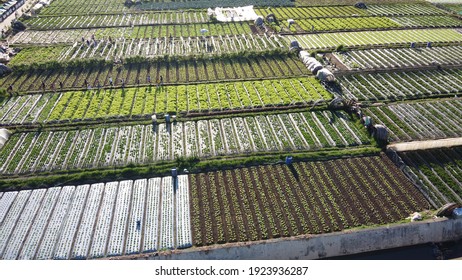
326	245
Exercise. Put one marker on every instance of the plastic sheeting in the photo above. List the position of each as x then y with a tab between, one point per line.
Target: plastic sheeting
4	136
457	213
325	75
246	13
310	62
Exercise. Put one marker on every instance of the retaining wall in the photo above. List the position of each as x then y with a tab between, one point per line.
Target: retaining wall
326	245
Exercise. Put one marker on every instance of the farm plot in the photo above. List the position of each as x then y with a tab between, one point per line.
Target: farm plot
419	121
136	74
456	8
404	9
89	222
368	38
127	19
336	24
156	47
74	7
401	85
265	202
428	21
129	103
203	4
113	146
310	12
438	172
95	35
401	58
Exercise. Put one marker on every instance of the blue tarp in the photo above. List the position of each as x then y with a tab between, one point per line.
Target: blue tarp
457	213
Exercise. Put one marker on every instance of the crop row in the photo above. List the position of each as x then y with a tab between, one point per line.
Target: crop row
283	13
398	58
82	7
368	38
428	21
439	172
138	102
136	74
404	9
124	48
127	19
401	85
79	222
265	202
337	24
117	146
203	4
420	121
136	32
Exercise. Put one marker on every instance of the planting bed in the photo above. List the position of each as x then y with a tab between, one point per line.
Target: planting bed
438	172
375	38
99	74
94	221
420	121
401	85
119	146
145	101
264	202
401	58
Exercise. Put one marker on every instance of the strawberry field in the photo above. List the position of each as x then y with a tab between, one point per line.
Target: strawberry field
130	129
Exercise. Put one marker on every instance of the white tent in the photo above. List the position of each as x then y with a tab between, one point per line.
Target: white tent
4	136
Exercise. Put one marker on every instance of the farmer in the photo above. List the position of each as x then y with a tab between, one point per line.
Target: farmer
110	81
86	83
148	79
61	84
10	88
43	85
161	80
123	82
